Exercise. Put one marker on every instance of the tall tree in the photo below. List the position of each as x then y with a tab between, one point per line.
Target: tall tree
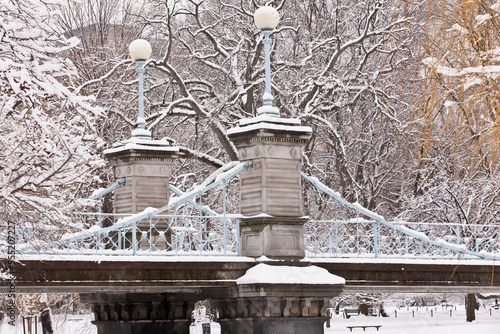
105	28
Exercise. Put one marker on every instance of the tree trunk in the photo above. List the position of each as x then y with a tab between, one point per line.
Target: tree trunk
46	322
471	307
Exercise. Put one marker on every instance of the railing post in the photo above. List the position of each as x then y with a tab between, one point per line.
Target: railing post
336	230
176	230
224	213
150	241
330	238
315	226
375	238
99	219
357	233
406	245
134	238
98	243
200	237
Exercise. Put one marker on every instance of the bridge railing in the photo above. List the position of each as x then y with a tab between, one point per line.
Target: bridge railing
368	238
155	235
338	228
202	222
185	226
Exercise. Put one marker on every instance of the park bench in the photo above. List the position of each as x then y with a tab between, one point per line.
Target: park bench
364	327
350	312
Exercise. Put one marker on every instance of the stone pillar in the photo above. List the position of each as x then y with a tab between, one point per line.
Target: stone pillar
271	191
145	165
279	299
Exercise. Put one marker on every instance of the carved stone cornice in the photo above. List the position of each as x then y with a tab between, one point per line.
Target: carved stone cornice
272	307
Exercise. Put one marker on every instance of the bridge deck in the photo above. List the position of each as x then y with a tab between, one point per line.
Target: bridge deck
194	274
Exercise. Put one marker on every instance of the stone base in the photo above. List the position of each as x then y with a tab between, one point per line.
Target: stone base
142	327
247	307
274	237
261	325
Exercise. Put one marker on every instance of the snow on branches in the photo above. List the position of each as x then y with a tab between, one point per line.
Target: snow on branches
47	138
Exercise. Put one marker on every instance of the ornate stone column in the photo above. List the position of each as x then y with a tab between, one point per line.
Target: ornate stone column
271	191
282	294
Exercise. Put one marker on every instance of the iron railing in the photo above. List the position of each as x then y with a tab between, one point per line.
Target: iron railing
185	226
352	230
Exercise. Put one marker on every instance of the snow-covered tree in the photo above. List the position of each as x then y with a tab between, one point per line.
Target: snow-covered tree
48	143
334	65
461	73
105	29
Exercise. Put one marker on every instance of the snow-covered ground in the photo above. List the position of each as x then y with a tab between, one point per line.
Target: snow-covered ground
62	324
408	321
421	321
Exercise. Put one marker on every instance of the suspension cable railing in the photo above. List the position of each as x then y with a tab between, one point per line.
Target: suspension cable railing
376	237
187	226
153	231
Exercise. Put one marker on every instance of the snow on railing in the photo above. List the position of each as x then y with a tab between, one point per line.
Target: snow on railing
376	237
155	233
187	227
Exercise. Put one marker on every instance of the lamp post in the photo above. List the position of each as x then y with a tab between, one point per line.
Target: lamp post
140	50
266	18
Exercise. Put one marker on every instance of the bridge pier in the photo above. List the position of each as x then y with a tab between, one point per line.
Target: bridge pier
246	308
272	315
139	313
286	295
